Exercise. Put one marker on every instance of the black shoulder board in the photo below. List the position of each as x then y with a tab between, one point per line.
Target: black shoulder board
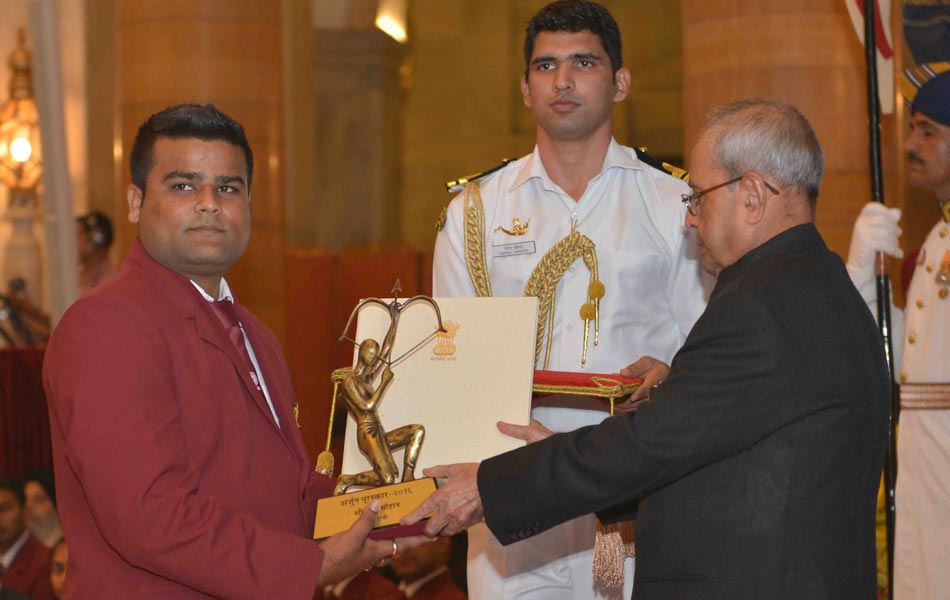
667	168
458	184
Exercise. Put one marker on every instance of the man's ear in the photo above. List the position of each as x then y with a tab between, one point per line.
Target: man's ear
525	91
621	84
134	196
756	195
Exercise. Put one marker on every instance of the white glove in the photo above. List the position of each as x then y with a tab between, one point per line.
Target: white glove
875	230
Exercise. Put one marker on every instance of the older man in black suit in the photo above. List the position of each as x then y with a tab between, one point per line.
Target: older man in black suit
753	469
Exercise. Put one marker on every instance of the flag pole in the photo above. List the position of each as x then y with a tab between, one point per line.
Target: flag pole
883	281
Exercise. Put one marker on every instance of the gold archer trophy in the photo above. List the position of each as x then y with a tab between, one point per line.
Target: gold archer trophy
362	394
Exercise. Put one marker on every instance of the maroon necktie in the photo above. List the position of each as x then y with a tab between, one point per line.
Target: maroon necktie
224	310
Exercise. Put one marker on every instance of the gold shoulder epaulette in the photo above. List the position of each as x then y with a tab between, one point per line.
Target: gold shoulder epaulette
458	185
666	167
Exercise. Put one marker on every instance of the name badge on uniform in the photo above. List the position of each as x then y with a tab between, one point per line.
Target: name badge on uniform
514	249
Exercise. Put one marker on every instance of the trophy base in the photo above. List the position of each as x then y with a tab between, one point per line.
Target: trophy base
338	513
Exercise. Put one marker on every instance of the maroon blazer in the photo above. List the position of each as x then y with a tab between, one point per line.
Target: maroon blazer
28	574
440	587
172	478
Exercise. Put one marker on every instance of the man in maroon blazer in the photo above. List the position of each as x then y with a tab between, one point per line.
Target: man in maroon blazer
24	560
180	470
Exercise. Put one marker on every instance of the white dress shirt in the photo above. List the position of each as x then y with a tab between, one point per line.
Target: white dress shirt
6	559
409	589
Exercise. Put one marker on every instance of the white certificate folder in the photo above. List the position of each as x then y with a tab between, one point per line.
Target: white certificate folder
457	385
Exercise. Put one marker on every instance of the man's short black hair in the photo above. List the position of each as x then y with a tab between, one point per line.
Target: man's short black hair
204	122
574	16
15	486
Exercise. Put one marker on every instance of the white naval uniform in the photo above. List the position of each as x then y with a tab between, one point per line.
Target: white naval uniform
655	291
922	538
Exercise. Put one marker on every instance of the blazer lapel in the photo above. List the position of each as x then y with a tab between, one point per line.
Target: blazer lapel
211	330
278	385
183	295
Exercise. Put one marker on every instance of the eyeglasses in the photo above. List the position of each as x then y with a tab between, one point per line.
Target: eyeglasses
692	200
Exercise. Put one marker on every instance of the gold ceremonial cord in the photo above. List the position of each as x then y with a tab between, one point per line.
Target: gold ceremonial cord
543	284
545	277
475	239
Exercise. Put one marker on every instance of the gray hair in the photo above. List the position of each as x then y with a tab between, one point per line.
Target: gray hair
769	137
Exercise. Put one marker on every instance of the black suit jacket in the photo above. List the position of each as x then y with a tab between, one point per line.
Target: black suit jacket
755	465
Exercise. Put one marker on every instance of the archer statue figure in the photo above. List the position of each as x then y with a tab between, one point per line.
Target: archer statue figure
363	395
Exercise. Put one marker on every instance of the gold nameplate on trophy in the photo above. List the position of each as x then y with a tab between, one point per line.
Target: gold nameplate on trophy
338	513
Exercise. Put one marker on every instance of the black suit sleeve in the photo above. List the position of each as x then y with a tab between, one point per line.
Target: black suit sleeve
719	399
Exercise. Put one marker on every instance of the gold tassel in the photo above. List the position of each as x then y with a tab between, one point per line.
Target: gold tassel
543	284
612	544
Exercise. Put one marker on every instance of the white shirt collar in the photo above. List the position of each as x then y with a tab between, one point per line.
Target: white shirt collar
224	291
335	591
533	166
410	589
9	555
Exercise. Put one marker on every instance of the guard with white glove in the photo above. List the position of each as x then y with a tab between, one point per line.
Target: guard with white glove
875	230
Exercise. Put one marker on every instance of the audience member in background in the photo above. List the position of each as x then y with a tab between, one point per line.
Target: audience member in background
424	572
57	567
24	561
94	236
39	489
368	585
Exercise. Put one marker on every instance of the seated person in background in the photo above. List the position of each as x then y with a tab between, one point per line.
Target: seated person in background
424	572
94	238
39	491
24	561
57	568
